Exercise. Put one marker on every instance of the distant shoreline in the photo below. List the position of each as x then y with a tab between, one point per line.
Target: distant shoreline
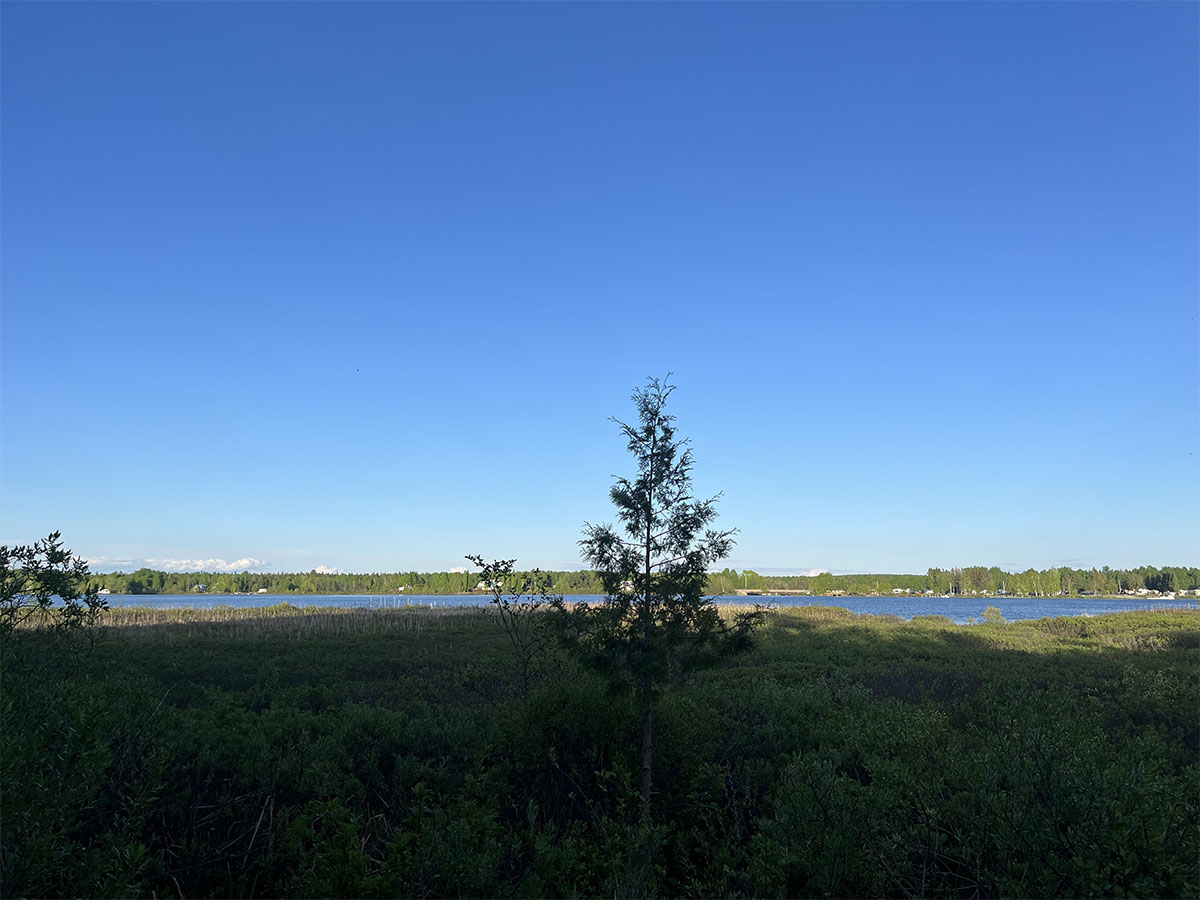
968	582
741	595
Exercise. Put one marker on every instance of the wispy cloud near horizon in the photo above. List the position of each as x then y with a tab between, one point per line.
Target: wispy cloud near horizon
129	564
786	570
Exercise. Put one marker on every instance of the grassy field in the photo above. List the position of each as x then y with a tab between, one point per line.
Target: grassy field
319	752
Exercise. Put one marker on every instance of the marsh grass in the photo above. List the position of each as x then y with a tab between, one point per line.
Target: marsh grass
281	620
286	620
304	751
1155	629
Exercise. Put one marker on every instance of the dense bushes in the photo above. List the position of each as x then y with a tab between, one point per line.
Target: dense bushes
83	765
845	756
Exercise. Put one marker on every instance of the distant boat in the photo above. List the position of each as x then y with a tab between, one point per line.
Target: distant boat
104	591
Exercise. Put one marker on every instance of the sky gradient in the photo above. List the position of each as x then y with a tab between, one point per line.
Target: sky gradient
359	285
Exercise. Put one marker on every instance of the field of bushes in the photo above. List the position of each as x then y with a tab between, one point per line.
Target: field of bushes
369	753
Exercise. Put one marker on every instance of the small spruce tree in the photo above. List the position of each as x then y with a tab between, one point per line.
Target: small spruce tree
655	620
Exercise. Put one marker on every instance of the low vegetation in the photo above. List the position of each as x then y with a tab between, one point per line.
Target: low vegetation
306	752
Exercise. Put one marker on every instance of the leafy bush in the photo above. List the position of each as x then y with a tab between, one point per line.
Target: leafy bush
45	584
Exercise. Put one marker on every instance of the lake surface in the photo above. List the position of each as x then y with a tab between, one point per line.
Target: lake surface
960	609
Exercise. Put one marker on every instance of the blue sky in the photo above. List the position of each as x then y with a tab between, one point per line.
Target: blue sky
359	285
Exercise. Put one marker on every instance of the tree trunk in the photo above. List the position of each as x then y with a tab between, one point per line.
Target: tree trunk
648	630
647	746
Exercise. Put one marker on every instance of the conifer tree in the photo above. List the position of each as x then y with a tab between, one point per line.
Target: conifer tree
655	620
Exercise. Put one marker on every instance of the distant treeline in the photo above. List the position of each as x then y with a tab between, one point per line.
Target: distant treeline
972	580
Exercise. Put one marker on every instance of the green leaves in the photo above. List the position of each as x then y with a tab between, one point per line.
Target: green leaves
33	577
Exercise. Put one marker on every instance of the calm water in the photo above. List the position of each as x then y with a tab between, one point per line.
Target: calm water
956	608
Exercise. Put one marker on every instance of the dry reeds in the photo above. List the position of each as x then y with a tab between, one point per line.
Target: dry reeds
282	620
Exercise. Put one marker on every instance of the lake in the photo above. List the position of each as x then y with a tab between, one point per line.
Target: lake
960	609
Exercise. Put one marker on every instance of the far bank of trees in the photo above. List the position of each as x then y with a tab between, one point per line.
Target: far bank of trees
971	580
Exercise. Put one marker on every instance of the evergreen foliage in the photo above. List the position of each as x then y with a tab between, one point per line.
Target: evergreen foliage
655	619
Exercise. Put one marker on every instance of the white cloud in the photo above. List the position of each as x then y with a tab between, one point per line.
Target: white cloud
457	570
107	562
246	563
777	570
327	570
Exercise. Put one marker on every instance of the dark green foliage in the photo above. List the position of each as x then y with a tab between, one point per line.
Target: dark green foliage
82	768
843	756
80	765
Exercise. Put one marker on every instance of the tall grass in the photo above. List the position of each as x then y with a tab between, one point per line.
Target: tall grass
170	625
1127	630
305	751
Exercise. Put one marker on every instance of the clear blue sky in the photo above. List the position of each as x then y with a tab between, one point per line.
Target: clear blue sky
358	285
